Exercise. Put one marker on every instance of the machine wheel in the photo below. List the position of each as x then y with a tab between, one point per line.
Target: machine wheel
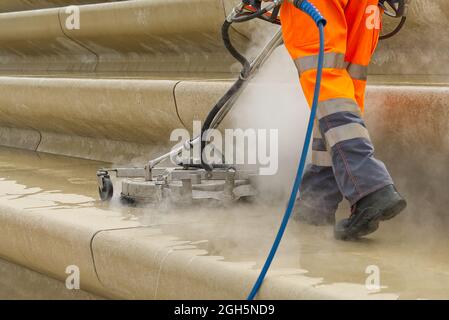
107	191
125	200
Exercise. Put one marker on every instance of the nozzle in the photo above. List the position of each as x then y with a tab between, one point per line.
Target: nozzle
311	10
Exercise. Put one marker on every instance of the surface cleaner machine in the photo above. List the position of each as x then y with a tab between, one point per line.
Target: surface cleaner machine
196	183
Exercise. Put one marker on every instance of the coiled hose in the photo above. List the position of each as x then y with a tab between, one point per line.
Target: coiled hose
320	21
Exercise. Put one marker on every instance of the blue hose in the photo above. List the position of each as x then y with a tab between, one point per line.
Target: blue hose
308	8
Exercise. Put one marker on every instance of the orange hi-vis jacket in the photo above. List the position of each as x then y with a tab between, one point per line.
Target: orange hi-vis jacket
352	33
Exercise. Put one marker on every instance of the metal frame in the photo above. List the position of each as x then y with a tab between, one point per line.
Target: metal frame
150	175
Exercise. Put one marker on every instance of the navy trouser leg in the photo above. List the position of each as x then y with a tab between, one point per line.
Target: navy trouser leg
357	172
343	163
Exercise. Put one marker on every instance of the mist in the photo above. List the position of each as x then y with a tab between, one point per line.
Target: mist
274	100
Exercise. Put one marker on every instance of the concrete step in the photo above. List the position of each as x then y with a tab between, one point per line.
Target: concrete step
179	37
116	87
122	38
23	5
20	283
37	110
103	119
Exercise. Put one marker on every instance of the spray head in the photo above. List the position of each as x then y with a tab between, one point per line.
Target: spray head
251	9
395	8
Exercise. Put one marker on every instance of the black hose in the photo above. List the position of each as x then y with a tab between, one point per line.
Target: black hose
230	93
395	31
255	15
215	110
233	51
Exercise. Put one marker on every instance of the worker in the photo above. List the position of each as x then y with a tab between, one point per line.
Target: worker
343	162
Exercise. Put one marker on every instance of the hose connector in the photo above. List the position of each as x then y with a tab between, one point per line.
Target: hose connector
273	5
311	10
235	12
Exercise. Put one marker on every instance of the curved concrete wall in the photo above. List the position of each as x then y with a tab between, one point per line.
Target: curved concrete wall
162	38
165	37
137	69
154	36
33	42
93	108
56	90
19	5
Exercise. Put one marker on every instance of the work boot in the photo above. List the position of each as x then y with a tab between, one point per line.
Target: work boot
313	215
381	205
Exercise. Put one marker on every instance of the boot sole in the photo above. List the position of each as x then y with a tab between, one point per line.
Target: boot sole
372	224
387	214
392	212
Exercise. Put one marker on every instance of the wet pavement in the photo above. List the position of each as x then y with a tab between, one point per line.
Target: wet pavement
413	262
18	283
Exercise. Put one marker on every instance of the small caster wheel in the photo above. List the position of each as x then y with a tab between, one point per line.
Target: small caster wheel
127	201
107	191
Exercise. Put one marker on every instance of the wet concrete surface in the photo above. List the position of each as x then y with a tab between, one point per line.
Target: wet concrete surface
18	283
413	261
